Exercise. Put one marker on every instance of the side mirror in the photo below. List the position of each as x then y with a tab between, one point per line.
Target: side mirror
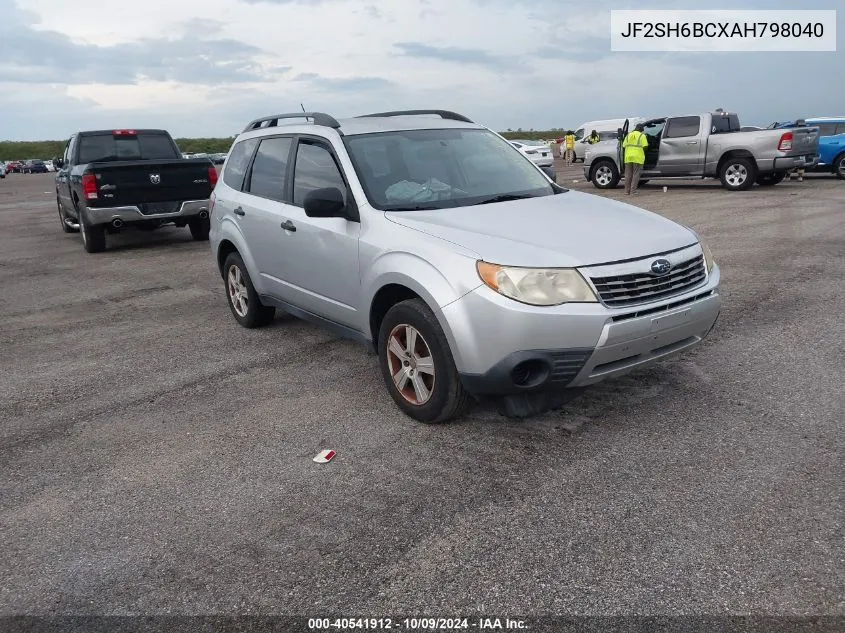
325	203
58	163
619	134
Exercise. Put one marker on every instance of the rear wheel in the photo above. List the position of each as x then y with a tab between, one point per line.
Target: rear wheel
417	364
839	166
93	236
767	180
738	174
243	301
200	228
605	174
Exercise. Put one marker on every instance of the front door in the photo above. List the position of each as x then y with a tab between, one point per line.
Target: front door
318	257
681	148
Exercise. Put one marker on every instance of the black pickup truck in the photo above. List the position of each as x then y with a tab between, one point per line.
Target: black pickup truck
112	180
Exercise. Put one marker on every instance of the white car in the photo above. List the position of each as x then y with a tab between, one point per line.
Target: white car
536	151
2	170
606	129
49	165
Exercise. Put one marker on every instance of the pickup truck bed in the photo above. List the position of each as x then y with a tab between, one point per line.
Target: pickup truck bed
138	179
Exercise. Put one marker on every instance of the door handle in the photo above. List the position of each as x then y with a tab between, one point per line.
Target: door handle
692	142
287	225
239	211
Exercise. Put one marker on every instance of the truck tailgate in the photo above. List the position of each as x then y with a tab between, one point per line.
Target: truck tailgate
805	141
156	186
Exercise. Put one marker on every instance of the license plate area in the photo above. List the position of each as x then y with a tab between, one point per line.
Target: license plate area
667	321
155	208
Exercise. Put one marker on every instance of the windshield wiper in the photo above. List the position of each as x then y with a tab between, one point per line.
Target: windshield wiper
505	197
417	208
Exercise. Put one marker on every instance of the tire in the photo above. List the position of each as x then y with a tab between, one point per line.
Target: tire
93	236
431	396
63	217
769	180
200	228
839	166
243	301
738	174
604	174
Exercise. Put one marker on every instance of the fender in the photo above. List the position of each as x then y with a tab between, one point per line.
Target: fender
229	230
423	278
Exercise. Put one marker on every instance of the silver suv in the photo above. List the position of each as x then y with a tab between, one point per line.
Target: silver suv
438	243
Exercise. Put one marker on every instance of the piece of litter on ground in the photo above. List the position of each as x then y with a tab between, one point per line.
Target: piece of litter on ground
574	181
324	456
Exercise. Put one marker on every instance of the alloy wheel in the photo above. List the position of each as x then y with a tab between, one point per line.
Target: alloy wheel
411	364
237	291
736	175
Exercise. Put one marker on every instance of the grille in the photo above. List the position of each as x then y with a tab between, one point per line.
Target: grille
625	290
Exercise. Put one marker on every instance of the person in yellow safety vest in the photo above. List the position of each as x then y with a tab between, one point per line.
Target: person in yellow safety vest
593	138
569	141
633	148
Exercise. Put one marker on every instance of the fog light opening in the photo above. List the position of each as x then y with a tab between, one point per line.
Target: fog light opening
530	373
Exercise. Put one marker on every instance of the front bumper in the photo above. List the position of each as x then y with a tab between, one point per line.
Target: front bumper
535	350
107	215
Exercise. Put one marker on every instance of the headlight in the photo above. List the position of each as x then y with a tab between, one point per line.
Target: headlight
708	256
536	286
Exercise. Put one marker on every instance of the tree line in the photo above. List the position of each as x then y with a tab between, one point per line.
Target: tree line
46	150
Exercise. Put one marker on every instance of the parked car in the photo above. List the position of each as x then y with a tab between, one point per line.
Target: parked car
49	165
831	142
709	145
468	271
110	180
606	128
536	152
14	167
34	167
2	170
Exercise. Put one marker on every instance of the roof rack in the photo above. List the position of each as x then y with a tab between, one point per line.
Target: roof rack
319	118
444	114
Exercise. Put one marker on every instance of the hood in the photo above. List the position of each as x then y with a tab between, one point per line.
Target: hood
567	230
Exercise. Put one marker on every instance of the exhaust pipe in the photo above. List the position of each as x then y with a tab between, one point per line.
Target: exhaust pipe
117	223
203	214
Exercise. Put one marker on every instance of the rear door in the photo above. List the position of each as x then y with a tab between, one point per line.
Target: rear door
681	151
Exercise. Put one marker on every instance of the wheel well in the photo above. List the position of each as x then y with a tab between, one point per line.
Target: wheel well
226	248
836	160
735	153
386	298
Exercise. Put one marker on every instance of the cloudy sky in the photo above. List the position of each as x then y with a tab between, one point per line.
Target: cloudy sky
206	67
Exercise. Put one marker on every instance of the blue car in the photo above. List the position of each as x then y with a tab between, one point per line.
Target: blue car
831	142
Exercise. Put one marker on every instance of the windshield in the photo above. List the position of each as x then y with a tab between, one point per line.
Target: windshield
442	169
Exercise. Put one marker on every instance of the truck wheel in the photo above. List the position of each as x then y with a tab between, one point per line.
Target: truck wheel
417	365
93	236
63	219
839	166
767	180
200	228
738	174
605	174
240	293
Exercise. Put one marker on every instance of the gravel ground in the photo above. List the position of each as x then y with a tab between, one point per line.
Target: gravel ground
155	458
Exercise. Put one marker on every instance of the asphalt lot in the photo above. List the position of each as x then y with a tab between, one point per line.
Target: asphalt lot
155	457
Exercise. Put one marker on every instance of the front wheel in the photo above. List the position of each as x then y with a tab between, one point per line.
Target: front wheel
768	180
417	365
738	174
240	293
839	166
605	174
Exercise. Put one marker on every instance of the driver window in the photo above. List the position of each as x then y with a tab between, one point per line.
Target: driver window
579	134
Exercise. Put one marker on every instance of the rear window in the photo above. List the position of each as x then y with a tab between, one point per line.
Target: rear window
144	146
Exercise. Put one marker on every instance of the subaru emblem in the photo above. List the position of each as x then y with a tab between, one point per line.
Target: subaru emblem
660	266
155	178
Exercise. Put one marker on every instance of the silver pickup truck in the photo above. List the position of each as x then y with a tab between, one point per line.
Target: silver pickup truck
708	145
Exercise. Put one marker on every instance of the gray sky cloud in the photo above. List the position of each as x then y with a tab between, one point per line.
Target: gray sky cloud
65	66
